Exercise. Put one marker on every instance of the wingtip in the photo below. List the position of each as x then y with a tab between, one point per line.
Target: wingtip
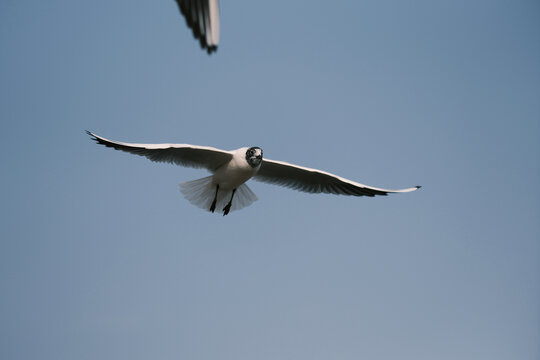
92	135
211	49
414	188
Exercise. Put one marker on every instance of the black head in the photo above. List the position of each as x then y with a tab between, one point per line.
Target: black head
254	156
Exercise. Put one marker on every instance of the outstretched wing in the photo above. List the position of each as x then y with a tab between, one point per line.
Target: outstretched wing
180	154
202	17
315	181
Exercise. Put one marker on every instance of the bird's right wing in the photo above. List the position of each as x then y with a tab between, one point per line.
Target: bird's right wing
180	154
315	181
202	16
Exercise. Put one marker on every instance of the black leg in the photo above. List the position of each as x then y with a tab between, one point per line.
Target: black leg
213	206
227	207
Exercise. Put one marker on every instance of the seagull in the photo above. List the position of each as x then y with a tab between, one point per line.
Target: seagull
225	189
202	17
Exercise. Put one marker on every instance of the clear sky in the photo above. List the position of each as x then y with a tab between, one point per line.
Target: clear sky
102	258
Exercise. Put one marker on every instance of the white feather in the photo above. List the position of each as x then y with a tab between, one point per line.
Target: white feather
214	22
201	193
202	16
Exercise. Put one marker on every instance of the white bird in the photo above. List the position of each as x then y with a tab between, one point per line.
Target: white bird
226	188
202	16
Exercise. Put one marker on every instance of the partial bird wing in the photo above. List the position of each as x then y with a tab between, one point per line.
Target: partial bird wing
315	181
202	16
180	154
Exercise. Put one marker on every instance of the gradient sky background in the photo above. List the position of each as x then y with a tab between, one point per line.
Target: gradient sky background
102	258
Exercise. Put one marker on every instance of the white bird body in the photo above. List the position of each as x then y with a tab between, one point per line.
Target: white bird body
235	172
226	188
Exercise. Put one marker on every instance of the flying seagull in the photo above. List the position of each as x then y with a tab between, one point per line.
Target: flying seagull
202	17
225	189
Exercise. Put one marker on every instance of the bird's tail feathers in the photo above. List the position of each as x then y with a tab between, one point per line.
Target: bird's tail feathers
201	193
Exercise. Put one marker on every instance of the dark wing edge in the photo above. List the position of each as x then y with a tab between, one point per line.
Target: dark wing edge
197	15
316	181
180	154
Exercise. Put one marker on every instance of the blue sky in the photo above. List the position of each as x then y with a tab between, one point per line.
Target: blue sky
102	257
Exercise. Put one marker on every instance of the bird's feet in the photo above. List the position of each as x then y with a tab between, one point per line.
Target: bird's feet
213	206
226	209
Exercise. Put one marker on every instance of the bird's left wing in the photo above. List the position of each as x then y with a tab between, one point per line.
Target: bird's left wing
315	181
202	16
180	154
